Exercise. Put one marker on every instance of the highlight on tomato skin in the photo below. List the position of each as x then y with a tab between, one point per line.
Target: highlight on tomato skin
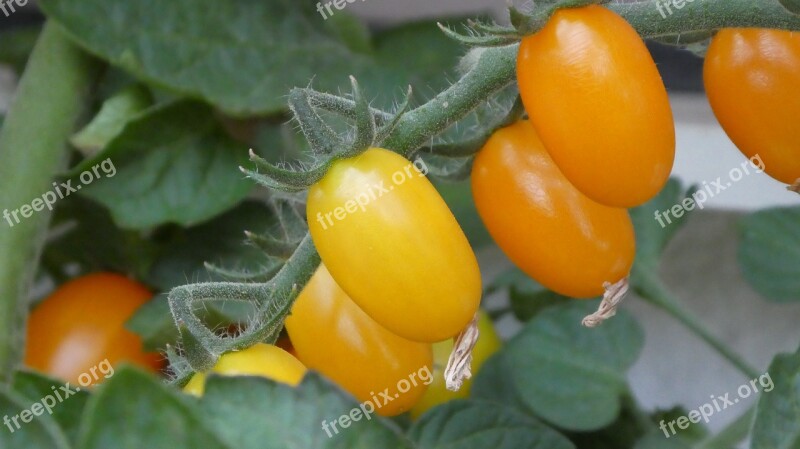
260	359
550	230
751	78
594	95
332	335
82	325
379	225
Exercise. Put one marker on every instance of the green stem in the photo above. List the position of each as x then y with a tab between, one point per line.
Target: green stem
732	434
651	289
50	96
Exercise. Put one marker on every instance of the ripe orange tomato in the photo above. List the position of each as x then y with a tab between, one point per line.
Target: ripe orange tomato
593	92
391	243
437	393
83	324
549	229
260	359
751	78
333	336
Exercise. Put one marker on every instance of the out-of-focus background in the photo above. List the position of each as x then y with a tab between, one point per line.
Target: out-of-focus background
700	264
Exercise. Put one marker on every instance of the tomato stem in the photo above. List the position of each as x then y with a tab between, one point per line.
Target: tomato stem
50	98
652	289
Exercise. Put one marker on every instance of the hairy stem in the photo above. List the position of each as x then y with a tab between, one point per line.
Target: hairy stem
50	97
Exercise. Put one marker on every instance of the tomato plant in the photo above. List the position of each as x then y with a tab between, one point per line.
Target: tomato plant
273	168
548	228
261	359
332	335
750	77
83	323
593	93
380	226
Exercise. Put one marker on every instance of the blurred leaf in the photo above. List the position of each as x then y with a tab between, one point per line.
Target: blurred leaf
220	241
657	440
622	433
16	44
244	56
135	410
656	222
769	253
67	414
694	433
351	31
174	164
256	413
527	296
777	422
483	425
570	376
109	122
40	432
153	323
458	197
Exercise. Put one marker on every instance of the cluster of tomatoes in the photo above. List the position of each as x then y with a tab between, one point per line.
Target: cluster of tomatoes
399	280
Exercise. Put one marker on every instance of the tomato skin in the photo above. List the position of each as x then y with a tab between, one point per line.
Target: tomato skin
260	359
488	343
82	323
593	92
751	78
549	229
403	258
332	335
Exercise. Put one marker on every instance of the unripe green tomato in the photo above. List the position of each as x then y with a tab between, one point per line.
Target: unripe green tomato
391	243
260	359
332	335
488	343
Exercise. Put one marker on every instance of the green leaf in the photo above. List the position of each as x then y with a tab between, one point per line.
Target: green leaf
174	164
769	253
527	296
16	44
249	412
777	421
657	440
483	425
40	432
113	115
351	31
135	410
67	413
570	376
244	56
658	220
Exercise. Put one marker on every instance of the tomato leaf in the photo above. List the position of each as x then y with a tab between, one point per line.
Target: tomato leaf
174	164
777	421
40	432
483	425
244	56
657	440
16	44
111	119
134	409
651	236
554	364
249	412
769	253
67	413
